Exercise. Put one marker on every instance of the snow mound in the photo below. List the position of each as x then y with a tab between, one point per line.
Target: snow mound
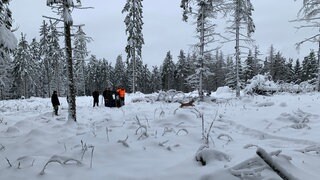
12	130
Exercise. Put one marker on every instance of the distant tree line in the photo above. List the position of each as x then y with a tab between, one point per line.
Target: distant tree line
38	68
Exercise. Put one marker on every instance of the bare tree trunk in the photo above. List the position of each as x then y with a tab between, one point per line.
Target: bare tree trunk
318	81
83	81
71	91
134	70
237	48
201	53
48	78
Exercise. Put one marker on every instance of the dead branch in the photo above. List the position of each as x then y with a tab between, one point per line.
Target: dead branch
124	142
162	144
314	148
274	165
184	130
59	159
143	136
167	130
10	165
187	104
229	138
245	168
2	147
107	132
250	145
92	149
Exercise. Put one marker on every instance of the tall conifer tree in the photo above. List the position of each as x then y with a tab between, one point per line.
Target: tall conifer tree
134	23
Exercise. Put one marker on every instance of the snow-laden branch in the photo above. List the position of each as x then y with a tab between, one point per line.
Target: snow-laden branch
285	175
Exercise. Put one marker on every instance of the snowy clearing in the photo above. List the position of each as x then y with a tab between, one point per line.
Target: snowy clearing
158	140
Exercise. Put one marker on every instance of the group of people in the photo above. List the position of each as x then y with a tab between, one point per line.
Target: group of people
111	98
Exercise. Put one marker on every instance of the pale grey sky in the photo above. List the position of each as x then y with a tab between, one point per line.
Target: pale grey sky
163	27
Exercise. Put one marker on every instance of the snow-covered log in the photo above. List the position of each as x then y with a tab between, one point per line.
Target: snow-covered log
274	166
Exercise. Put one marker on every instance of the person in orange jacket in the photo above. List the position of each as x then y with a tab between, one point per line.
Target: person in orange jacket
121	92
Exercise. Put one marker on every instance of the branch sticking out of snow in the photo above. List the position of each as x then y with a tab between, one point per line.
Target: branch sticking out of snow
124	142
229	138
10	165
59	159
274	165
206	156
251	167
183	130
315	148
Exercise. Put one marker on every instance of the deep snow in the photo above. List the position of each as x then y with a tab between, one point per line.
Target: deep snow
157	140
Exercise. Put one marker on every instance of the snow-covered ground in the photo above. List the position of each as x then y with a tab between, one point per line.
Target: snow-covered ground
157	140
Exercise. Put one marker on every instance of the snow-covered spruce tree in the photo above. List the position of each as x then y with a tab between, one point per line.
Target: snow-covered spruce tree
46	63
249	67
278	67
310	14
55	55
127	76
92	75
182	72
23	68
146	80
309	68
8	43
36	58
209	63
119	73
134	23
80	54
167	72
155	83
63	8
139	74
204	11
219	67
241	11
297	72
99	75
192	78
106	72
289	74
231	79
256	61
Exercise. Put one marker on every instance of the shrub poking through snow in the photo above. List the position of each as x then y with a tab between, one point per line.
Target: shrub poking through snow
61	160
251	168
206	155
171	96
124	142
314	148
262	85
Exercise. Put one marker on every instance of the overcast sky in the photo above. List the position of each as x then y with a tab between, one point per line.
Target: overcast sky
163	28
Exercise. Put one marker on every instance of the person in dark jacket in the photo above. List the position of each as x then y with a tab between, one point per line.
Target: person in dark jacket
55	102
108	98
121	91
95	96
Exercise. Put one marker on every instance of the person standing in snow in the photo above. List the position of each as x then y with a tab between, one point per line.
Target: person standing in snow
108	98
95	96
121	91
55	102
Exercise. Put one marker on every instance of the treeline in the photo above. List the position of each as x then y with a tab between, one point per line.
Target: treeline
38	68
